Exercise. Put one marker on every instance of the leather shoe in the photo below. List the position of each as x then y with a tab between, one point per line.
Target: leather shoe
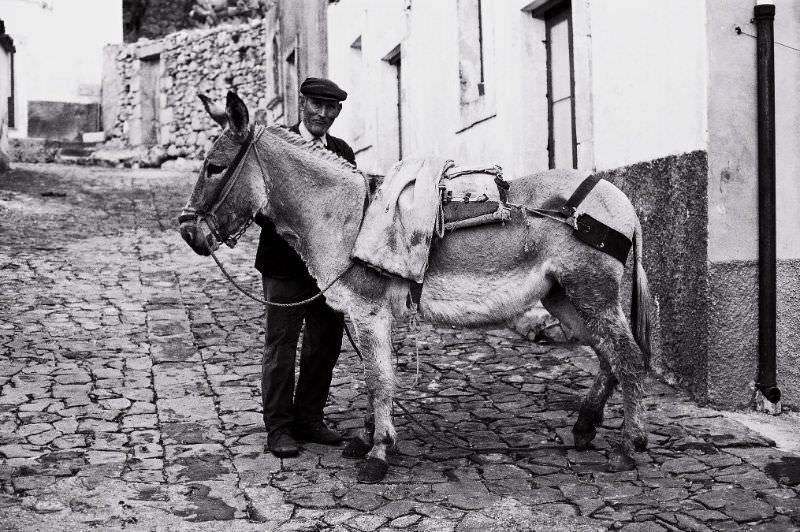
281	444
316	432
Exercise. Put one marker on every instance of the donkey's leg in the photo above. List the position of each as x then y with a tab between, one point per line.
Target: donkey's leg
597	301
627	363
590	414
374	338
361	443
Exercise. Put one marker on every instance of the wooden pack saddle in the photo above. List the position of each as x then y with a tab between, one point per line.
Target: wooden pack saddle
473	195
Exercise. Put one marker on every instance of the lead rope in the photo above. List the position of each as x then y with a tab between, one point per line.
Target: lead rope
273	303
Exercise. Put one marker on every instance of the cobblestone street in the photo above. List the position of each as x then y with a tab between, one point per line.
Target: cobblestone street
130	399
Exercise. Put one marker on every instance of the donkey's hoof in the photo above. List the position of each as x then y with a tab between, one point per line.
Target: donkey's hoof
356	448
619	461
374	470
583	440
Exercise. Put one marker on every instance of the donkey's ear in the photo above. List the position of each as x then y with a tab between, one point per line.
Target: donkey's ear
216	111
238	116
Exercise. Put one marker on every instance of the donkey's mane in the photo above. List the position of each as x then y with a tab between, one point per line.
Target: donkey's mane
320	151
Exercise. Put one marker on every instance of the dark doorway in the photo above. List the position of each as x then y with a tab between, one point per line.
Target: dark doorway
393	58
150	74
562	146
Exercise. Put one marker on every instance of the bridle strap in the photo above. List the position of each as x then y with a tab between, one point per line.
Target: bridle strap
230	178
235	169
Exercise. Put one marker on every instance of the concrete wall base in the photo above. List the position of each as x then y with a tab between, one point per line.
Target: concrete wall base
669	195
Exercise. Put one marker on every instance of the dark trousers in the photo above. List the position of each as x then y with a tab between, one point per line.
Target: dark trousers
322	340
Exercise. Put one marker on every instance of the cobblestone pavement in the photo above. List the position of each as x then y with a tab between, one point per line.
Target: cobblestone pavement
129	399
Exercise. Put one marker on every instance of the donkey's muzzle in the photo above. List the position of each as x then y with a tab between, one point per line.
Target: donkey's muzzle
193	234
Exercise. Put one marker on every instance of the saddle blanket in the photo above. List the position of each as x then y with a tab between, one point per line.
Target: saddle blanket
398	226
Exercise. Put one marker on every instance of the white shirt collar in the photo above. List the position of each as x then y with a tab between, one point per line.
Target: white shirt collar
307	135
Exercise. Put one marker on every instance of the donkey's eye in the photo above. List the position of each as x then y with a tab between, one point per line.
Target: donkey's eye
213	169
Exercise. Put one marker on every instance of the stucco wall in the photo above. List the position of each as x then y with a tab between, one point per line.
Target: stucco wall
648	79
733	200
788	353
59	50
669	196
733	342
200	61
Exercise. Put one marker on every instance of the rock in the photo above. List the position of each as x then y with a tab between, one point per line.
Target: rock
114	157
182	164
154	157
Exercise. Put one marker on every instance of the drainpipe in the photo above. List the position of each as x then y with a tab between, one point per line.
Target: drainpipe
764	15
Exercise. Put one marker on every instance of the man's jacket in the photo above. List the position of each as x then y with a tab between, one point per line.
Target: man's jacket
275	257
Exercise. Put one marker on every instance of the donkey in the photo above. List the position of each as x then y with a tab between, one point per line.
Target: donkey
485	275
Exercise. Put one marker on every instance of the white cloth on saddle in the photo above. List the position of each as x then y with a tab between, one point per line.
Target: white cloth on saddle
398	226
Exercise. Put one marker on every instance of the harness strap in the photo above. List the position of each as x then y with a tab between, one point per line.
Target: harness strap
602	237
587	229
233	170
579	195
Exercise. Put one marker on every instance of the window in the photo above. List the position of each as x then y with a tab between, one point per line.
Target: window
393	61
475	48
471	65
356	115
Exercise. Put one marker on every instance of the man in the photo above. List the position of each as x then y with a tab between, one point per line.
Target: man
291	414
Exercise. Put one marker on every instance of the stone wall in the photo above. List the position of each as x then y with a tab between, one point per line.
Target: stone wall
185	63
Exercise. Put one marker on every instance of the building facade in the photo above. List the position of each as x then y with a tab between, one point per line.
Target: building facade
659	97
57	64
150	87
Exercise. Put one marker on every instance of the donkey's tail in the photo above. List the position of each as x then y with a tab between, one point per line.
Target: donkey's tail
640	298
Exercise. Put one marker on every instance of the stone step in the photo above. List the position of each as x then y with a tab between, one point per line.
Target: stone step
77	149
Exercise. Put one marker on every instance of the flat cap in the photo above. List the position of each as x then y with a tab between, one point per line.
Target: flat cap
322	89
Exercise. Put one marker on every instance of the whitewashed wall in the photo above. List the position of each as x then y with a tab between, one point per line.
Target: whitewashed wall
59	49
513	132
640	83
649	76
733	169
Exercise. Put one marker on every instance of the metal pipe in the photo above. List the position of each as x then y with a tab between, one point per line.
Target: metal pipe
764	16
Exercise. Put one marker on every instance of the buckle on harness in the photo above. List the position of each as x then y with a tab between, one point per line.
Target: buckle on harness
572	221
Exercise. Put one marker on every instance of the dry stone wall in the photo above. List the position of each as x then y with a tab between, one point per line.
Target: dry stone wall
210	61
